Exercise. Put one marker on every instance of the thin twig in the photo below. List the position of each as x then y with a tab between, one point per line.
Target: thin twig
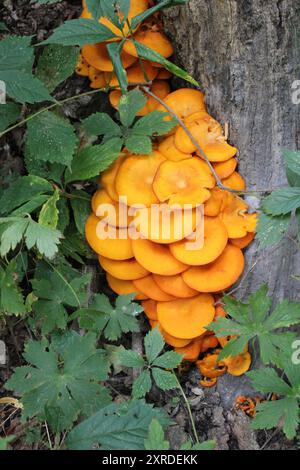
188	408
48	435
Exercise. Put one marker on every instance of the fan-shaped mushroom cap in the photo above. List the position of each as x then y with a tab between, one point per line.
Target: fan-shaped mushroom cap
150	309
235	181
183	182
164	74
218	275
215	241
207	382
108	177
209	342
220	313
191	351
121	287
154	40
82	67
243	242
214	204
97	56
148	287
210	367
238	365
127	270
136	8
117	216
184	102
173	341
156	258
170	151
97	79
135	178
162	224
174	285
235	218
186	318
225	169
118	248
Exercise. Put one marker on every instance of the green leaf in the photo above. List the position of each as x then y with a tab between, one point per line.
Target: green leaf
282	201
206	445
116	427
154	344
4	441
149	54
22	190
114	52
56	64
163	379
16	53
90	161
24	87
49	212
266	380
100	124
46	2
81	205
11	298
270	230
51	138
156	437
12	235
129	105
61	374
95	8
154	124
9	113
234	347
169	360
292	163
79	32
136	20
45	239
139	145
142	385
130	358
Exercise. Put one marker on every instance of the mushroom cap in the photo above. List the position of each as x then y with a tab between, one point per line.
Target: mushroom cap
184	102
225	169
170	151
136	7
186	318
208	382
164	74
122	287
117	248
154	40
119	218
135	178
238	365
173	341
243	242
218	275
235	218
107	179
235	181
97	56
183	182
209	342
148	287
164	224
82	67
210	367
126	270
191	351
220	312
214	243
174	285
150	309
214	204
156	258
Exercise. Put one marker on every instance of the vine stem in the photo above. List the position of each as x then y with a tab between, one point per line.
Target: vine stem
188	406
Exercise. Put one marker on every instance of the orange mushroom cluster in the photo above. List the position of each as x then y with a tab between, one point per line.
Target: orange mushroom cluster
178	286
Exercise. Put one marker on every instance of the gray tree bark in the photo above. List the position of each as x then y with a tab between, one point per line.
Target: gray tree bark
246	55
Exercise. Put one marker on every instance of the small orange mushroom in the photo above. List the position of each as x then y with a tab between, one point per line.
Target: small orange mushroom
214	243
170	151
183	182
97	56
208	382
105	207
214	204
156	258
184	102
210	367
122	287
107	179
235	181
225	169
150	309
149	288
186	318
135	178
173	341
191	351
218	275
220	313
126	270
209	342
111	242
243	242
236	219
238	365
154	40
164	74
82	67
174	285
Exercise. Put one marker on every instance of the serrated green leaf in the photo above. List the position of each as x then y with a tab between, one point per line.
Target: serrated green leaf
130	358
266	380
206	445
9	113
12	235
156	437
16	53
114	52
45	239
90	161
282	201
154	344
51	138
234	347
129	105
292	163
81	205
169	360
142	385
139	145
100	124
11	298
24	87
270	230
163	379
49	212
154	124
79	32
270	413
56	64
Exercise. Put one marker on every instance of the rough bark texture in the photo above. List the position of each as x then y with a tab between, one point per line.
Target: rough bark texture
246	55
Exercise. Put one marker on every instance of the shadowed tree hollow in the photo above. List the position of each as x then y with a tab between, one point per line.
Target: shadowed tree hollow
246	55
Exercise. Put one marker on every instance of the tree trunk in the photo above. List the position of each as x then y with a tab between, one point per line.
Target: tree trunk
246	55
